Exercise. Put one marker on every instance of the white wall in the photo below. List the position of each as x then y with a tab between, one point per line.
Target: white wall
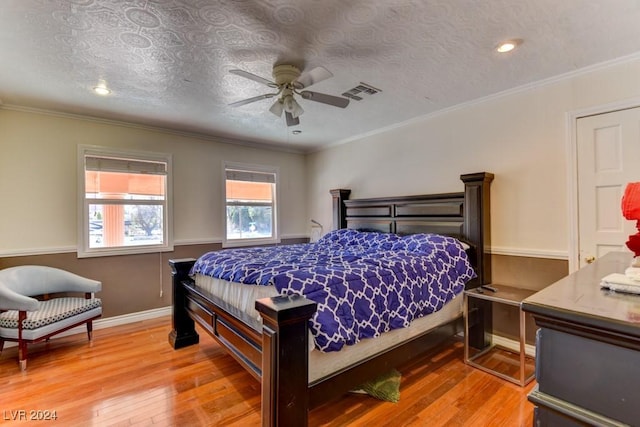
521	137
38	155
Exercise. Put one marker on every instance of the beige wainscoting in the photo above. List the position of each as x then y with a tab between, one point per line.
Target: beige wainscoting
138	283
130	283
527	272
522	272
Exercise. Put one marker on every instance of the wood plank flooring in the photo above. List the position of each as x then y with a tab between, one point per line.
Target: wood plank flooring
130	376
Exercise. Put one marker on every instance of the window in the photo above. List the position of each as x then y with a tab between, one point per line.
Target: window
250	205
125	202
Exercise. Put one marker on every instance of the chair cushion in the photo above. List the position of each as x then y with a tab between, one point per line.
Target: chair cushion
51	311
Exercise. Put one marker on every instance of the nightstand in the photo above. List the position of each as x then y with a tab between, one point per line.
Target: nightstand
480	350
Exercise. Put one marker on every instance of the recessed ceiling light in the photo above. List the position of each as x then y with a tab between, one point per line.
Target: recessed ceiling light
508	46
101	90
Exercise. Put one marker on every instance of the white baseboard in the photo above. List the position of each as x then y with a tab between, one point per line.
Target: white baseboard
110	322
513	345
529	350
129	318
529	253
124	319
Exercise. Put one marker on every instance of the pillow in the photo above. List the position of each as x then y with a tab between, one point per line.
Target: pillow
425	242
465	245
342	236
364	240
376	240
415	243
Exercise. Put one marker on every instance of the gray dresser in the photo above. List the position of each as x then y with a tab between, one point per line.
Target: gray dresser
587	349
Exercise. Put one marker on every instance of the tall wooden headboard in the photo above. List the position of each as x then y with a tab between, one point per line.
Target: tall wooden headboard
465	215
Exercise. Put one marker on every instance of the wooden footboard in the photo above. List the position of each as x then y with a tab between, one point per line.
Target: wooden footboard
276	351
233	329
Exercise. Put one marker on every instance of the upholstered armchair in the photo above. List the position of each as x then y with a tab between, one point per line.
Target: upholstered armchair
27	320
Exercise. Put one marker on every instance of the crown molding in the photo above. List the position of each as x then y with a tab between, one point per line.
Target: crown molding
544	82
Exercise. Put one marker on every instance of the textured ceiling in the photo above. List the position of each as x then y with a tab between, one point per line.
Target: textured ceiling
167	62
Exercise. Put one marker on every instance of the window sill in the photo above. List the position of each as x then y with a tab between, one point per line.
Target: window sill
136	250
249	242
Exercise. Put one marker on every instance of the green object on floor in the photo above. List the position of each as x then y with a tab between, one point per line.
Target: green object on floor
385	387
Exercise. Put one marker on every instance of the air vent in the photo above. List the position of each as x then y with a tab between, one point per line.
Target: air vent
361	89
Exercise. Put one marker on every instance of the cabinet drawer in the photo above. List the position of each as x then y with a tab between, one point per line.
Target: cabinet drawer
590	374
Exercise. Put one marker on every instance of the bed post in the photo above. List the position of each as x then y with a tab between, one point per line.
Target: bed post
477	220
339	208
183	331
285	349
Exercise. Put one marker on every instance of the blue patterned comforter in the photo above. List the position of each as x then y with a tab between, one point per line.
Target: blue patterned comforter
364	283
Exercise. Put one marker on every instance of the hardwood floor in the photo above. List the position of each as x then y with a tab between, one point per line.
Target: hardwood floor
130	376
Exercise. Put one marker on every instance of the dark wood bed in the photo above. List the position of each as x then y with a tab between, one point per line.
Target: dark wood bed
276	351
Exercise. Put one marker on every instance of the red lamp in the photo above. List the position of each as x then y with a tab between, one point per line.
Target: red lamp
631	211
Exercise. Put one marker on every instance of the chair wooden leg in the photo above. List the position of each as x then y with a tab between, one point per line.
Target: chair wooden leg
90	330
22	354
1	344
22	344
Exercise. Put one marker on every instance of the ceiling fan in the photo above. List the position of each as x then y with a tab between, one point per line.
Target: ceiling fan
289	81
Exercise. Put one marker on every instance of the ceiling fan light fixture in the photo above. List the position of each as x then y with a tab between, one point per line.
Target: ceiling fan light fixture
289	81
277	108
291	106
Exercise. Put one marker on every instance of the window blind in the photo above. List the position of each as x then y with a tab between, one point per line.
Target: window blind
110	164
240	175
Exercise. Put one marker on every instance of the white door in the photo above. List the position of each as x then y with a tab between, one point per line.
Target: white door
608	154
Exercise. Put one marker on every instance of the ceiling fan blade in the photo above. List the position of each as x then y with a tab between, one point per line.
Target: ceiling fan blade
291	121
253	77
336	101
250	100
311	77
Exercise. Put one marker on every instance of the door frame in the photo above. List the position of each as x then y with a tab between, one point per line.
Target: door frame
572	167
